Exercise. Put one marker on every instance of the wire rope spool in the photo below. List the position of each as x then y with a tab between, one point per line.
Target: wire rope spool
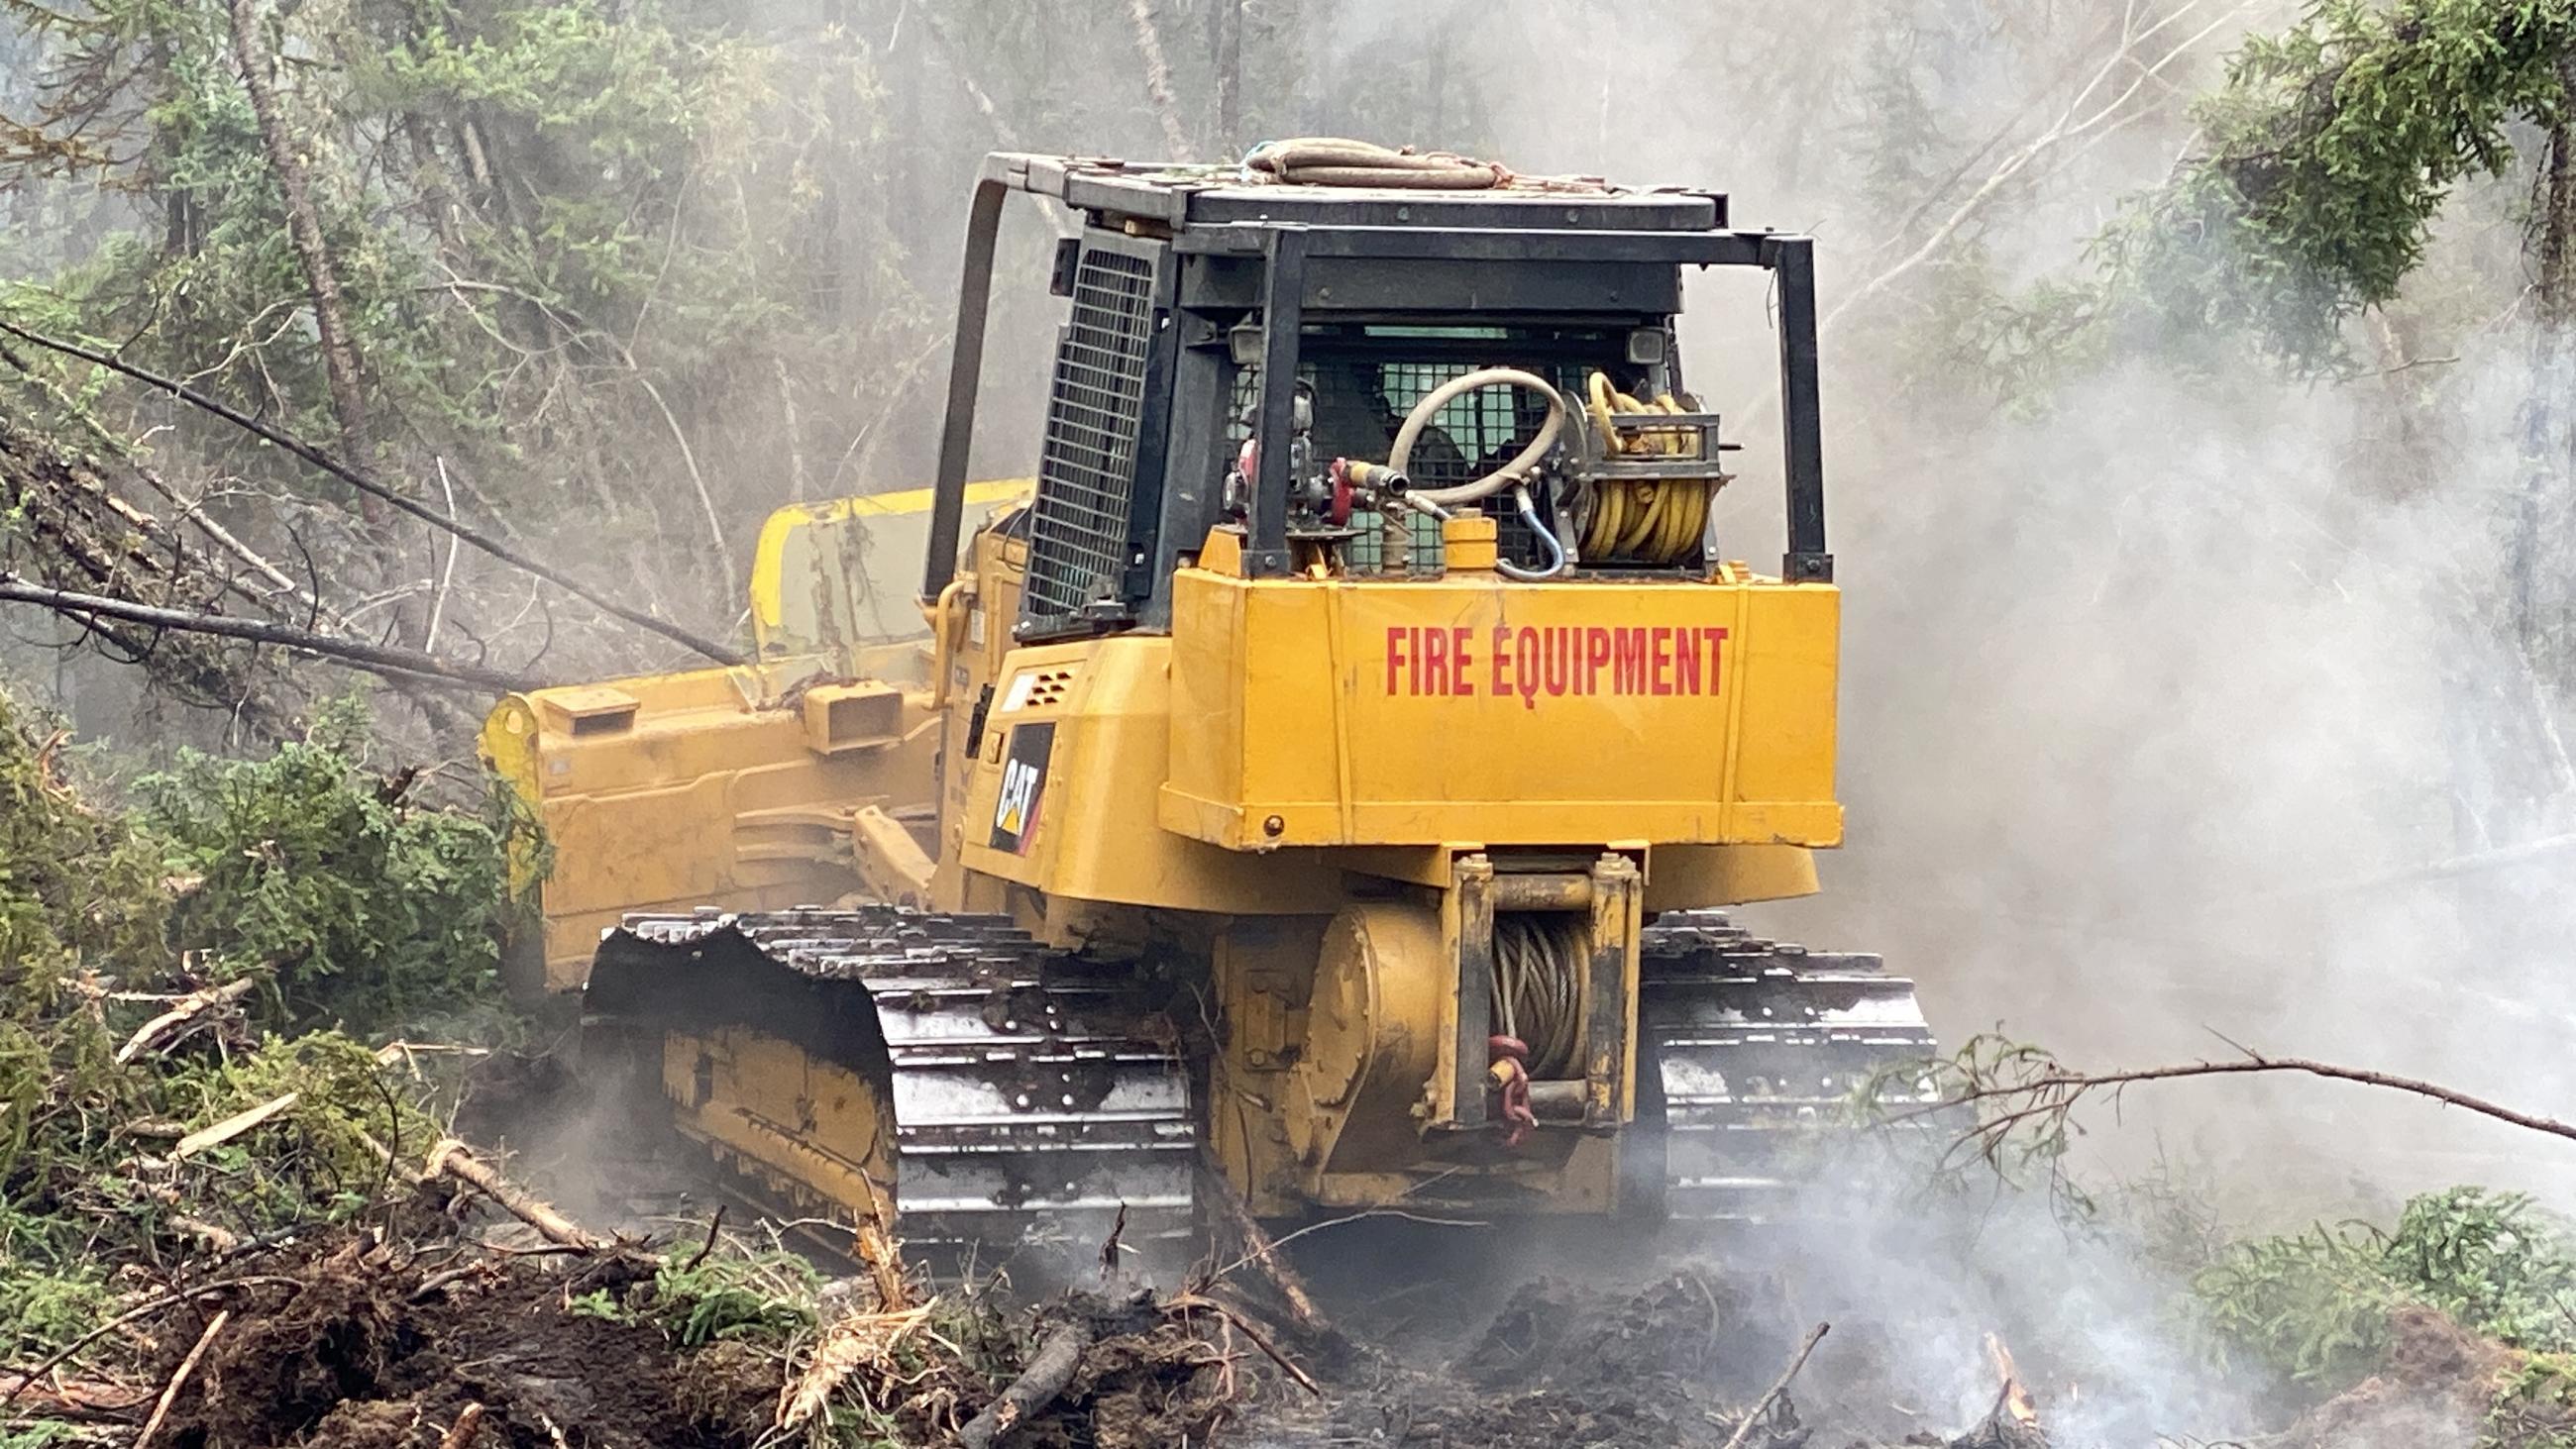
1538	986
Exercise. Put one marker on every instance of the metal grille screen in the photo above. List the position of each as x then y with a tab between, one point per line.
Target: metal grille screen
1359	404
1087	466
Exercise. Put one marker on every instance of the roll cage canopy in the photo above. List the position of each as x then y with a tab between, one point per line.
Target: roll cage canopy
1186	275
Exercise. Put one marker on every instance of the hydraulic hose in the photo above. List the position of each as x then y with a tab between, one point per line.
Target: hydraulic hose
1517	470
1555	549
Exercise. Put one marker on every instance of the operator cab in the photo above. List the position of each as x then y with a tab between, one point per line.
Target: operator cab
1337	380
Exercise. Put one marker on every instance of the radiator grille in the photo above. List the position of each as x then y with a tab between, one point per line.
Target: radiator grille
1078	534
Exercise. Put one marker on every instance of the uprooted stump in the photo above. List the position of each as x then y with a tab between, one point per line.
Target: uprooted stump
1119	1372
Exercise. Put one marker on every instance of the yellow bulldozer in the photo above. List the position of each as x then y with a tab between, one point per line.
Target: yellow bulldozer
1315	786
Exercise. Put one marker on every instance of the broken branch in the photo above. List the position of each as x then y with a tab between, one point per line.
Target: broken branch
231	1127
189	1008
452	1158
1261	1341
2028	1085
187	1366
64	1354
1049	1370
461	1433
1779	1386
375	658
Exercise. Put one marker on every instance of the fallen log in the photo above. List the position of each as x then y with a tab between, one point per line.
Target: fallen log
1049	1370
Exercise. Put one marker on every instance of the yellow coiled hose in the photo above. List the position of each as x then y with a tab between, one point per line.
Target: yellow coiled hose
1648	521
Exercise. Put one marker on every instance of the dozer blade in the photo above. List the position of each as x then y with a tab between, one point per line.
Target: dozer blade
1757	1050
1031	1096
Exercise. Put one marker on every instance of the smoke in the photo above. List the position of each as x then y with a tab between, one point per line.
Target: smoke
2168	687
2160	684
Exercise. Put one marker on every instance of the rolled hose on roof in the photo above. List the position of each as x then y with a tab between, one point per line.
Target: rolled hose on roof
1338	161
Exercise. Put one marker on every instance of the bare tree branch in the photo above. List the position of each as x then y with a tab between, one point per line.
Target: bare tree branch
367	485
375	658
1158	78
2072	122
2019	1089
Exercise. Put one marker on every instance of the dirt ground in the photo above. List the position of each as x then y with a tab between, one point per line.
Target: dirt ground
357	1341
360	1340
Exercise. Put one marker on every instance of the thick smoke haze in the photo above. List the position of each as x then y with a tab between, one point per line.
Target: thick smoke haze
2161	691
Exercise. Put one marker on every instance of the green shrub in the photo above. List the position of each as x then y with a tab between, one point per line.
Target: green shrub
2314	1306
372	913
767	1297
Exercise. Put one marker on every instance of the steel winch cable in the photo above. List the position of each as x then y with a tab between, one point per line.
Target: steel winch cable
1537	990
1639	520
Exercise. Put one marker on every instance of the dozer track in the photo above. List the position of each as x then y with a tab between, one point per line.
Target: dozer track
1747	1046
1033	1096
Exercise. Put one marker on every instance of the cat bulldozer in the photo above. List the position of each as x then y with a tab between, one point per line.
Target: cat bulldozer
1317	789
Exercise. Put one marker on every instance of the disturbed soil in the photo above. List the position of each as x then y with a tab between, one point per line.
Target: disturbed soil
391	1335
379	1345
357	1340
364	1339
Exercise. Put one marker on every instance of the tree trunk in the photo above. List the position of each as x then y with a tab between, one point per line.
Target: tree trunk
1227	43
2539	587
304	230
2540	604
1158	78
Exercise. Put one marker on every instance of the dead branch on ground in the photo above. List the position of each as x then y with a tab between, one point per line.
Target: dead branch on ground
1050	1369
232	1127
453	1159
187	1366
190	1007
1778	1387
1189	1302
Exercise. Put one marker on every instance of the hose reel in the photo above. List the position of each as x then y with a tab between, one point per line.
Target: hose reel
1637	480
1651	474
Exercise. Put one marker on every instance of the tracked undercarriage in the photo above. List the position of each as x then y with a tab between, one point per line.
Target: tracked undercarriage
1034	1097
857	1060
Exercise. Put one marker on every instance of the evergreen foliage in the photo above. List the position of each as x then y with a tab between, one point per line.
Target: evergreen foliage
2314	1305
2326	156
367	911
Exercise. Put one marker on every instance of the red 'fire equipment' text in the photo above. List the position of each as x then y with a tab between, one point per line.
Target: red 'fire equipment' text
1553	660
